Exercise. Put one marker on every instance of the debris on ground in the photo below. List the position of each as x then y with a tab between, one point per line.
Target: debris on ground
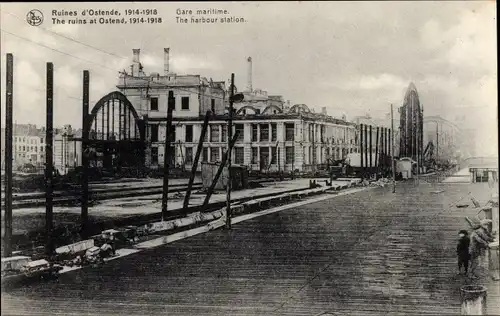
493	203
382	182
475	202
437	192
253	185
177	195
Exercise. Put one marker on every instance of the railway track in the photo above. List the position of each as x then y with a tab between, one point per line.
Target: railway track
37	238
73	197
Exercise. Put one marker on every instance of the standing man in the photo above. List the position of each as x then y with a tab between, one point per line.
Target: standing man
479	242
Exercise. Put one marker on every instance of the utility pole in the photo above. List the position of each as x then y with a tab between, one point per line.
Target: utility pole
85	154
167	153
229	139
49	172
361	149
9	94
392	152
437	142
371	152
366	150
377	160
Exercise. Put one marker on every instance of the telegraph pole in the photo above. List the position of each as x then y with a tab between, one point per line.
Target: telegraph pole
49	166
392	152
437	142
361	145
9	94
371	153
366	150
85	155
377	154
229	139
167	152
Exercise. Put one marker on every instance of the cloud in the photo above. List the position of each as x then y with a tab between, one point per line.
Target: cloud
66	30
383	81
350	57
473	44
187	63
152	62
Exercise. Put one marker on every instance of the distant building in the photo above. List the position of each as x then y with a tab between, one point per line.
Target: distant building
445	137
67	152
28	147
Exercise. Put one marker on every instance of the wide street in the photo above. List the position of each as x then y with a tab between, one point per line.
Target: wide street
367	253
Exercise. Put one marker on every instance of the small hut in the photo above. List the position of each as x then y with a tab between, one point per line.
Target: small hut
239	176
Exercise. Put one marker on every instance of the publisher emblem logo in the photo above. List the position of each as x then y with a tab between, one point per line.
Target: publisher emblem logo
34	17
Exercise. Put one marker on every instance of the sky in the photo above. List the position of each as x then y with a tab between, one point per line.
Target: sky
354	58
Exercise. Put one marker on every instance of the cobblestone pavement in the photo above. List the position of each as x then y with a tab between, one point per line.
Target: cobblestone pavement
368	253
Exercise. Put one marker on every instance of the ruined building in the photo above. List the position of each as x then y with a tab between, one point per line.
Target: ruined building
273	134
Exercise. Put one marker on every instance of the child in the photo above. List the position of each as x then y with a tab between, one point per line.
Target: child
463	251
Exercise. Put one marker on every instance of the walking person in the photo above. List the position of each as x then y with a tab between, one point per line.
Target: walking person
463	251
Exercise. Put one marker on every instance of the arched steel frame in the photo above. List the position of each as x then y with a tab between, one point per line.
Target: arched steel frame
302	107
272	106
112	104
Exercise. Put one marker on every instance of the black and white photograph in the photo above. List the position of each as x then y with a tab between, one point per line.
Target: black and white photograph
249	158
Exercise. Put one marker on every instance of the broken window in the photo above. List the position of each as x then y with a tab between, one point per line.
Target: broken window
185	103
189	133
154	104
154	133
255	155
240	130
289	154
289	132
224	133
274	158
204	154
264	132
189	155
154	155
239	155
274	132
214	133
214	154
255	132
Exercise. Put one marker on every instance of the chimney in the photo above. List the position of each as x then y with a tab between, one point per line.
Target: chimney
136	52
249	74
323	111
136	61
166	61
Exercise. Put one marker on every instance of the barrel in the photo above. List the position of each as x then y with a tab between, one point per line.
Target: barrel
494	261
473	299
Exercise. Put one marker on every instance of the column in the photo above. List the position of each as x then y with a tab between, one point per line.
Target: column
280	136
247	144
